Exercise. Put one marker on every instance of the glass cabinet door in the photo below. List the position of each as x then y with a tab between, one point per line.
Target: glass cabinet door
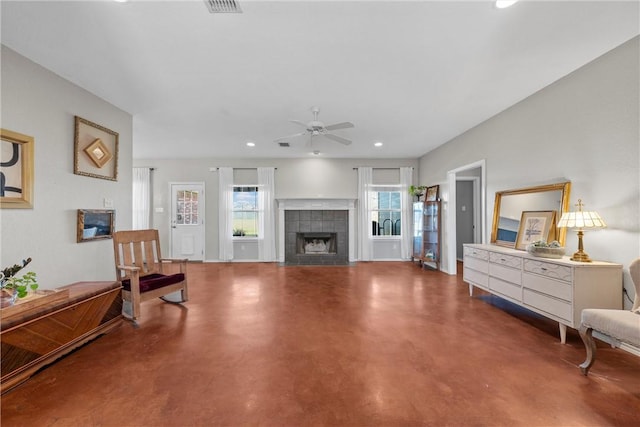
417	229
431	232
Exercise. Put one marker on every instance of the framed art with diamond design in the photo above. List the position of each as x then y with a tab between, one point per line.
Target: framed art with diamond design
96	150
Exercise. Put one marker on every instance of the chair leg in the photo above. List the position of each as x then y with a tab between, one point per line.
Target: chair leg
590	345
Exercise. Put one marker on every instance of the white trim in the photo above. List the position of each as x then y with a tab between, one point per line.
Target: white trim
318	205
450	212
201	214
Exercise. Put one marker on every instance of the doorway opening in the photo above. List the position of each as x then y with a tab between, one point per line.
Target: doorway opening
476	173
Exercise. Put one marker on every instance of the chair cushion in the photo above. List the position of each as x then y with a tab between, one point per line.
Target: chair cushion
623	325
154	281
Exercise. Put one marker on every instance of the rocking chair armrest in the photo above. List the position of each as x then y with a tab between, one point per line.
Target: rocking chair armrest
182	262
128	268
172	260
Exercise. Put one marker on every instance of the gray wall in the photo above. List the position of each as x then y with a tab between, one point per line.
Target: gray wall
294	178
41	104
584	128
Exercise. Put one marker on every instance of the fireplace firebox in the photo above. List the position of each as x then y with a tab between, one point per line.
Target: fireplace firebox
316	243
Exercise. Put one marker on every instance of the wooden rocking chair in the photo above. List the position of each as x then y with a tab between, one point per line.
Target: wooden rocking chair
139	267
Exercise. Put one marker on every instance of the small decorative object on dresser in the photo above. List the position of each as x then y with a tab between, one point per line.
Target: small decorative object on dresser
543	249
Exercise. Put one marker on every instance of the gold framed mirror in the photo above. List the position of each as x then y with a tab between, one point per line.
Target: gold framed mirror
509	205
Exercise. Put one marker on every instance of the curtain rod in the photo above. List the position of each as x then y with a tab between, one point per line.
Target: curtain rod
214	169
372	167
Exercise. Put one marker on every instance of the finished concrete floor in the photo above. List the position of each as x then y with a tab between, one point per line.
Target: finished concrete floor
375	344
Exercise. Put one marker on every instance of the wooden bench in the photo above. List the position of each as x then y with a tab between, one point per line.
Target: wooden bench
36	332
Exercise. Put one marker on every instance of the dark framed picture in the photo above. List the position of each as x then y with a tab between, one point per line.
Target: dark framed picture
432	193
16	170
535	226
95	224
95	150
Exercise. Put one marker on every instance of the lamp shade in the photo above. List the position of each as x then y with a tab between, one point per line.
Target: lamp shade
581	219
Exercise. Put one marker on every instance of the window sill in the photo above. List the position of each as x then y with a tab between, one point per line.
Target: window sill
245	239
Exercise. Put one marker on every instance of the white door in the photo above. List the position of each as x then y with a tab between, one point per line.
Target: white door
187	220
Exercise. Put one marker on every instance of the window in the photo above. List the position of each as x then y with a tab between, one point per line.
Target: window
245	211
187	208
386	213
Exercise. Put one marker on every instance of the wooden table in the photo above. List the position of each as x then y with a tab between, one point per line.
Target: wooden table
38	333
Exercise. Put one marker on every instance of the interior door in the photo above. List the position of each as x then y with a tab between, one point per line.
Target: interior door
187	220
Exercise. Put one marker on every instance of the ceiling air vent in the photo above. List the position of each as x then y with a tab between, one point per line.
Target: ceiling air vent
284	144
223	6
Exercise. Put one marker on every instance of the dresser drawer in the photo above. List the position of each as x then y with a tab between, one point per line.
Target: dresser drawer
476	264
555	288
508	260
547	304
476	253
475	277
505	273
505	288
548	269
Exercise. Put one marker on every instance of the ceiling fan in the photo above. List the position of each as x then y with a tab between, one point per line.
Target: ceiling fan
317	128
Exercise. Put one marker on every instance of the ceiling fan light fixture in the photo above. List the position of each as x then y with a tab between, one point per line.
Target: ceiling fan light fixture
223	6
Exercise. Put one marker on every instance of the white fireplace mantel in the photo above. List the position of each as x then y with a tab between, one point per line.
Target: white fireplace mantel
322	205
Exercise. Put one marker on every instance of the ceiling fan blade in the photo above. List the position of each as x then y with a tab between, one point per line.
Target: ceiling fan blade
337	138
298	122
343	125
284	138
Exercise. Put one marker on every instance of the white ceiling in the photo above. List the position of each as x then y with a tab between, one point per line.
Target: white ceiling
412	74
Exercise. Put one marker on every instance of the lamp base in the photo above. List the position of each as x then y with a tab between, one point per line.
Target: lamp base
580	256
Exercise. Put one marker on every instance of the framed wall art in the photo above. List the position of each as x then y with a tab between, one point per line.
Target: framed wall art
95	150
432	193
534	226
95	224
16	170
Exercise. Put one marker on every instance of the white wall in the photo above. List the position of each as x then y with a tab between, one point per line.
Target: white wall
583	128
294	178
41	104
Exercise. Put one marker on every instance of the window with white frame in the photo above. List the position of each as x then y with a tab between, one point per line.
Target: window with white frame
385	206
246	211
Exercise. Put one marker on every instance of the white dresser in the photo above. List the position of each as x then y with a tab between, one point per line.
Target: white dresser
555	288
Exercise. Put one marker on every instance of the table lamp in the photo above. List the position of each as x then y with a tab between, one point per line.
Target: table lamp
581	219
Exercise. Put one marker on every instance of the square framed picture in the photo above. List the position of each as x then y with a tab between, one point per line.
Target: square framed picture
16	170
534	226
96	150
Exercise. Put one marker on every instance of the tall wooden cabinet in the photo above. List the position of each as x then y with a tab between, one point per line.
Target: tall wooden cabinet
426	233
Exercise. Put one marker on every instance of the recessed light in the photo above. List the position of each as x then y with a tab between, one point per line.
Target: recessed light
121	1
378	144
251	144
316	153
501	4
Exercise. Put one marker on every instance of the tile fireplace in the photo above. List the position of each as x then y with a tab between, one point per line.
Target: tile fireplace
316	232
